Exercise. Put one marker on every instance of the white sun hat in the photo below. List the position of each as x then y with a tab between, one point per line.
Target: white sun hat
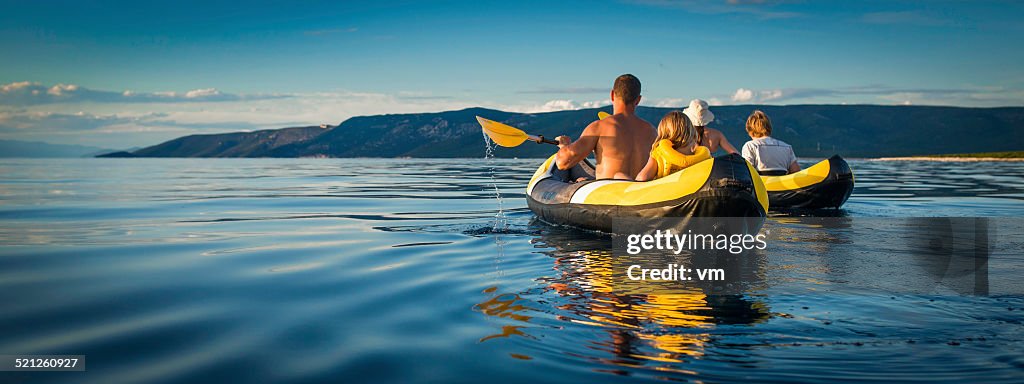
698	113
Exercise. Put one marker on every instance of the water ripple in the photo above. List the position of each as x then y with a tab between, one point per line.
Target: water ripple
324	270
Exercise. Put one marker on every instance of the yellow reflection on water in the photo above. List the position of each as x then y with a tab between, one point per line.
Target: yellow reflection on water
654	331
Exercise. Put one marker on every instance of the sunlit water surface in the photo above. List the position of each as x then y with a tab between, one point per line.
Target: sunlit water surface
313	270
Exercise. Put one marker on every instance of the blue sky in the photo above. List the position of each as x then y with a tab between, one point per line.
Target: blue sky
127	74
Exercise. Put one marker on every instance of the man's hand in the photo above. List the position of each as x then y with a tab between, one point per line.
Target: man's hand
563	141
571	153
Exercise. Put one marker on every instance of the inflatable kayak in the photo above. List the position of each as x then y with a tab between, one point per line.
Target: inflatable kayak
724	186
826	184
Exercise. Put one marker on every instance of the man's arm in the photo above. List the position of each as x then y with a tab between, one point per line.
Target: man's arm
571	154
725	144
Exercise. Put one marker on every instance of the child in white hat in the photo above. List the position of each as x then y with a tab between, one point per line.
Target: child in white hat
712	138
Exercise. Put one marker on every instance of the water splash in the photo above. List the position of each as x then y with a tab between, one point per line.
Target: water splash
500	221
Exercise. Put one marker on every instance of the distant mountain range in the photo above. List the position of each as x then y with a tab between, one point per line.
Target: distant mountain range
240	144
813	130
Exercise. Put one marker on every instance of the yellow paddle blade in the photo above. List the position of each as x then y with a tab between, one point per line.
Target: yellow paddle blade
601	115
501	134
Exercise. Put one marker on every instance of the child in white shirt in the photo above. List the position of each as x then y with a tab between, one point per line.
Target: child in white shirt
770	156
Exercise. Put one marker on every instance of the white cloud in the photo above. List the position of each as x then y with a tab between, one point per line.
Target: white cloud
556	105
770	95
199	93
16	86
62	89
742	95
876	94
106	131
127	124
596	104
25	93
122	125
671	103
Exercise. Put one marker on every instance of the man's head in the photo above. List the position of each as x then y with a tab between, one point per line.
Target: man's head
758	125
626	90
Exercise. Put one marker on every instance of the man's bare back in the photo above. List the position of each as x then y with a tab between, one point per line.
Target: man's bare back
621	142
624	143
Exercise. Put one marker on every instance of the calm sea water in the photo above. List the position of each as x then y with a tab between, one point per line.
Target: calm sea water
303	270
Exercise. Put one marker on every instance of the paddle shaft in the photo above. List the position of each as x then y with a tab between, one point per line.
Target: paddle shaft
541	139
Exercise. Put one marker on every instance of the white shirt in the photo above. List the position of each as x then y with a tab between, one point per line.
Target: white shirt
768	154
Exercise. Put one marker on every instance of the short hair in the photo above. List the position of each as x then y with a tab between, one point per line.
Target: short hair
759	125
627	88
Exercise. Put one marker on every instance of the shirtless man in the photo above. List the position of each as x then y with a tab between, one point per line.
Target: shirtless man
701	116
621	142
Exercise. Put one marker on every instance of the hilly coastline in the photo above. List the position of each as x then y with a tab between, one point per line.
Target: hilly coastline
813	130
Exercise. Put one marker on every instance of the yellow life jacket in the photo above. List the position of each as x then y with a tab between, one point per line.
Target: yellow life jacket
670	160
